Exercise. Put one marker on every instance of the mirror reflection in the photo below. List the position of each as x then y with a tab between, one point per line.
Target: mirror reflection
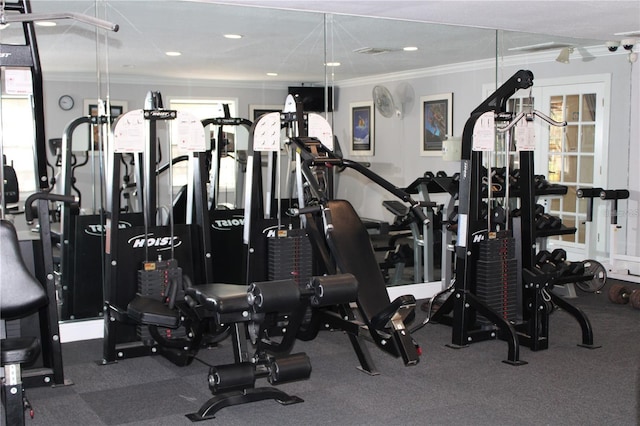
221	61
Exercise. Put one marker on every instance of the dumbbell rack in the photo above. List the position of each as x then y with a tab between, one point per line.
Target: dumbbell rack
475	238
533	331
439	184
481	250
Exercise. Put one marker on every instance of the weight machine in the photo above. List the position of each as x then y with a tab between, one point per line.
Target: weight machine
248	312
149	256
341	244
227	219
498	292
40	296
616	267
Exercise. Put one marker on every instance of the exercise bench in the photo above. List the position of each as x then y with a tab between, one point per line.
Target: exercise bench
20	296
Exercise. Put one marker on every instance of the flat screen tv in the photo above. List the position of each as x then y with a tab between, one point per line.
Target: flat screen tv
312	97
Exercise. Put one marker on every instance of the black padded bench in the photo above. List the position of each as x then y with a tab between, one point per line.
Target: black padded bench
20	296
235	306
351	247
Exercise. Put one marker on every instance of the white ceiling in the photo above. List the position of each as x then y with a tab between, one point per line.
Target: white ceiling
599	20
288	37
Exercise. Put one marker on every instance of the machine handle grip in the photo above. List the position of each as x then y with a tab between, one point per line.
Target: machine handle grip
614	194
419	214
28	210
588	192
294	212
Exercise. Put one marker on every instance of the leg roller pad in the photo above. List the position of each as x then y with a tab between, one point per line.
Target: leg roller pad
290	368
333	290
274	296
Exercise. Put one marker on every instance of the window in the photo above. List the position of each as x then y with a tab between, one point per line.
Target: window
18	138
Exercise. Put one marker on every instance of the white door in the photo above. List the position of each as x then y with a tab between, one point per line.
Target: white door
575	156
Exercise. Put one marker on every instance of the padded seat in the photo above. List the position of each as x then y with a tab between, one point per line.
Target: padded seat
20	296
149	311
20	293
220	298
20	350
354	254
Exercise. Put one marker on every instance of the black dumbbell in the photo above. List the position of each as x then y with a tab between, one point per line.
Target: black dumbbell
542	257
546	221
558	255
540	182
575	268
515	176
498	175
538	210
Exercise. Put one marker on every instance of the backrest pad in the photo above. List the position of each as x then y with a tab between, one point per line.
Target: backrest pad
20	293
351	246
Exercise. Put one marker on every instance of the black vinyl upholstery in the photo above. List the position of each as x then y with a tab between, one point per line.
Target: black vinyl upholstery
20	293
351	245
20	350
221	298
149	311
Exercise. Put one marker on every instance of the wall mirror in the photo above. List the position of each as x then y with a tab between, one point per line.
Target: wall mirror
247	57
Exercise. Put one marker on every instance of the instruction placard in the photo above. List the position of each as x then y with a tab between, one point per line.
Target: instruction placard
484	132
188	133
320	128
129	132
266	134
525	135
18	81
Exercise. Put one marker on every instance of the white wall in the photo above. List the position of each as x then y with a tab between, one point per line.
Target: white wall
397	141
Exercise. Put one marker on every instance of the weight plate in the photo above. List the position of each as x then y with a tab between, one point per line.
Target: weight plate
634	298
619	294
595	268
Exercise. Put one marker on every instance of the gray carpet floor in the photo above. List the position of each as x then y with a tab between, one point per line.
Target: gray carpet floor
563	385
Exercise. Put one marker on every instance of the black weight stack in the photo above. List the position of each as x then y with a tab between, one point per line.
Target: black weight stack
496	283
290	256
153	282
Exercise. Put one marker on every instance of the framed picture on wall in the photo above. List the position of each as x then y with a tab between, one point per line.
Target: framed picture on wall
362	128
436	122
255	111
91	106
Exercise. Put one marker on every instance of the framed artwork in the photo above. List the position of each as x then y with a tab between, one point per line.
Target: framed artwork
91	106
255	111
362	128
436	123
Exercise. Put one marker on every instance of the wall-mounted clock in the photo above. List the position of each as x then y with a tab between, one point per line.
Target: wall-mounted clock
65	102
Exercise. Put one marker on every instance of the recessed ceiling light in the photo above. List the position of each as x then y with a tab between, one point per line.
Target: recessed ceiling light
45	23
272	74
410	48
173	53
233	36
333	64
